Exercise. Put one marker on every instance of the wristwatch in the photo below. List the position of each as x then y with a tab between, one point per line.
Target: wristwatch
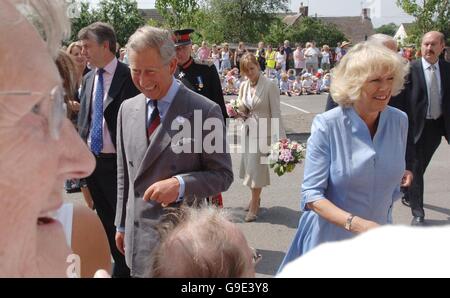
348	223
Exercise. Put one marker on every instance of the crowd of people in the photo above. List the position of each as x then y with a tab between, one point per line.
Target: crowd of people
102	119
298	71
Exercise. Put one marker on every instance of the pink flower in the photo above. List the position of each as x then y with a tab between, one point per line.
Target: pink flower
230	110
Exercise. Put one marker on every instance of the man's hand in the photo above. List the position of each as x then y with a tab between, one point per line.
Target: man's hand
164	192
407	179
120	242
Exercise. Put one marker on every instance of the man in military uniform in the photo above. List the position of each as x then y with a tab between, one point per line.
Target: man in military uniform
199	77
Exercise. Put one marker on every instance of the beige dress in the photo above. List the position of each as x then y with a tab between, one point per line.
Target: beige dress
255	140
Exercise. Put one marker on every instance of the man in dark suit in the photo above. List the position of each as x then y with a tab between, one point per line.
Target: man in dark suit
104	88
197	76
162	151
426	100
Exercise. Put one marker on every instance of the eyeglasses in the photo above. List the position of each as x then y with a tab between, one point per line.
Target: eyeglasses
54	110
256	257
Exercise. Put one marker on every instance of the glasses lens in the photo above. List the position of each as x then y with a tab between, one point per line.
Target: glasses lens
58	111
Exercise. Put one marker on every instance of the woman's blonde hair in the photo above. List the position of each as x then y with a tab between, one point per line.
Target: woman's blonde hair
247	59
363	61
75	44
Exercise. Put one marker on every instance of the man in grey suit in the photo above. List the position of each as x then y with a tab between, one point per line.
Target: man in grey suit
159	164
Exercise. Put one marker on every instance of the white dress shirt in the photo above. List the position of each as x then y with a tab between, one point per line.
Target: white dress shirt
110	69
427	72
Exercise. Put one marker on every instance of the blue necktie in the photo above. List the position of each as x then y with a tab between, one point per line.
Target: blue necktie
97	121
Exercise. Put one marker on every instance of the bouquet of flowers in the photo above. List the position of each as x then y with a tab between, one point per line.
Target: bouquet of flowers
236	111
285	154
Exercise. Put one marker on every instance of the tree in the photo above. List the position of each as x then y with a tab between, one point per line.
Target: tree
240	20
388	29
308	29
177	13
86	16
278	32
429	15
123	15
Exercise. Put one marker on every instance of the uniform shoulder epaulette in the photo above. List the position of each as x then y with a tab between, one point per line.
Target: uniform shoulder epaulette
204	62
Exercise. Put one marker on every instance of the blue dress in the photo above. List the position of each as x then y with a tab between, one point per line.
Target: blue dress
357	174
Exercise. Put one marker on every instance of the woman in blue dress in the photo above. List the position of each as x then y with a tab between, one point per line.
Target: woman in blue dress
355	160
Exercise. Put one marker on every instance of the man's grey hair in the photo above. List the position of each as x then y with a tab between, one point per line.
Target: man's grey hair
100	32
155	38
381	39
50	19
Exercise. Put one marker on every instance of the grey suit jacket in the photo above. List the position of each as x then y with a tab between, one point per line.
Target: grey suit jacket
141	164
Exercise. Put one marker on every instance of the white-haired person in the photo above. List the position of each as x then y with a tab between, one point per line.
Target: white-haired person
202	243
355	162
39	147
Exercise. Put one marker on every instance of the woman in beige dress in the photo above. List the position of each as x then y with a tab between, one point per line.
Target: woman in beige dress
259	97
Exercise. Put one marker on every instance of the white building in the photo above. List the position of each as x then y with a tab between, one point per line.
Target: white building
402	33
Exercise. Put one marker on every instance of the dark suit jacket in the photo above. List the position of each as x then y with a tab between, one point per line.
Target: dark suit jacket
122	87
414	98
211	87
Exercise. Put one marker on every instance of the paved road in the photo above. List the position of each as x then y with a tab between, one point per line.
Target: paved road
271	234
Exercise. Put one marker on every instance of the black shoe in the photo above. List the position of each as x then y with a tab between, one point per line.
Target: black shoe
418	221
405	202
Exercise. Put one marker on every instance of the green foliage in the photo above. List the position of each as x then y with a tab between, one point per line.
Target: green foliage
238	20
277	33
314	29
388	29
87	16
177	14
429	15
123	15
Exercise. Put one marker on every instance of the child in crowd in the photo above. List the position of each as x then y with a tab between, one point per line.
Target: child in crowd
315	87
284	85
232	83
307	83
325	87
291	79
297	86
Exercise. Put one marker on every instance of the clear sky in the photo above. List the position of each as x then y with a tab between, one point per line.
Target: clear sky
382	11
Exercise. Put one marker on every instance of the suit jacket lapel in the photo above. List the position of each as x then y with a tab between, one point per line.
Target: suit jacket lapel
423	82
89	87
162	136
261	85
139	128
116	84
444	81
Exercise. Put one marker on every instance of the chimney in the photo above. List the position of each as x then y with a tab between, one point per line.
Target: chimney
303	10
366	13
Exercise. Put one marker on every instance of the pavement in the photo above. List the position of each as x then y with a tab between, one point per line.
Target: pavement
277	220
